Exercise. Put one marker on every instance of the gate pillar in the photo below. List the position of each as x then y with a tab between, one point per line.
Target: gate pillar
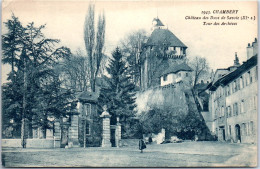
118	133
106	129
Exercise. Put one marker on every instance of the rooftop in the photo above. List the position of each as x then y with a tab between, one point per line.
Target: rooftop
235	74
158	22
176	68
164	36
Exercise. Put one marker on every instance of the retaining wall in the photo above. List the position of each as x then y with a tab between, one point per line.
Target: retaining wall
30	143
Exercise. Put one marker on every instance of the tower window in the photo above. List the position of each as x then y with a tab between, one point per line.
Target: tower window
165	77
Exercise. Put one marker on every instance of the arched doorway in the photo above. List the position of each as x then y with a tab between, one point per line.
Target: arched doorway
238	134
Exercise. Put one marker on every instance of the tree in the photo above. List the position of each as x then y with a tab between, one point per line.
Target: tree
94	47
194	121
12	105
33	58
119	93
200	71
157	118
74	72
131	47
200	68
11	42
162	108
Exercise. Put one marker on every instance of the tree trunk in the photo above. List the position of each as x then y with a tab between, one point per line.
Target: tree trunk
23	130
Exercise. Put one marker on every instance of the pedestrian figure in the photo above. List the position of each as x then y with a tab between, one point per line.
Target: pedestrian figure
150	140
141	145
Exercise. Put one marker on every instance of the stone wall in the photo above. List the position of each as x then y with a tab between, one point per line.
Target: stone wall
179	101
30	143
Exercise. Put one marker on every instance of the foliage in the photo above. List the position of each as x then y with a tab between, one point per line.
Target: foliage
119	93
157	118
12	104
34	88
11	42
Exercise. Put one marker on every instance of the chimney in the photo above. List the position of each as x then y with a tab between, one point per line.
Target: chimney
236	61
255	46
249	50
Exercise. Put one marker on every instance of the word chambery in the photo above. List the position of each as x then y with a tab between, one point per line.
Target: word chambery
221	12
220	17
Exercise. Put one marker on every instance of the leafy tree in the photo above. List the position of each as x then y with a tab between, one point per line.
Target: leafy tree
33	58
165	108
157	118
119	94
12	105
12	42
194	122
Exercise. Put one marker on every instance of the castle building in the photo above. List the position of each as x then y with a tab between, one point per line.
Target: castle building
175	74
162	58
233	100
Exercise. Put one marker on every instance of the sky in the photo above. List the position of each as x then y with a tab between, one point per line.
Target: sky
65	21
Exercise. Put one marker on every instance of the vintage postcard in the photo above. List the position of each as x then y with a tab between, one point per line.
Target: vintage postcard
129	83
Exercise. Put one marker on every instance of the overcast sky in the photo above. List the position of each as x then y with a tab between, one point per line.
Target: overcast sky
65	20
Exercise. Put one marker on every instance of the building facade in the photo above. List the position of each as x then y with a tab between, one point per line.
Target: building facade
233	101
181	72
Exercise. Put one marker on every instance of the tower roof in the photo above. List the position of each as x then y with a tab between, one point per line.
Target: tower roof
164	36
158	22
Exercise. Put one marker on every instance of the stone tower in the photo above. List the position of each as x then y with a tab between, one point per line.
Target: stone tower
161	51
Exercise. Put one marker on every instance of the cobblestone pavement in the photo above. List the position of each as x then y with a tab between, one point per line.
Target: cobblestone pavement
186	154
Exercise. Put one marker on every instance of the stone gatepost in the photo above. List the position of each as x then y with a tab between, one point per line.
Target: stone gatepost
118	133
106	128
73	131
57	134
